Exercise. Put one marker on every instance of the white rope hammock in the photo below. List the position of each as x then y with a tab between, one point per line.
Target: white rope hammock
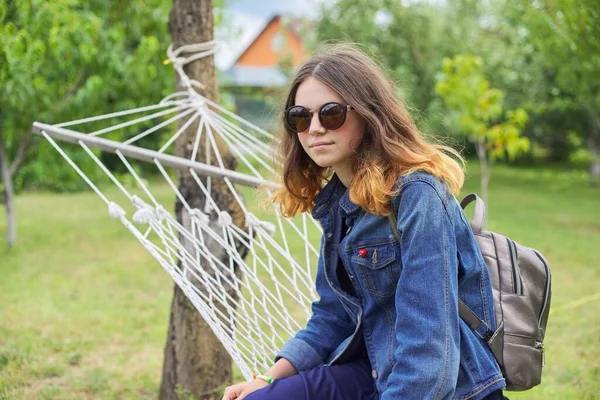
253	303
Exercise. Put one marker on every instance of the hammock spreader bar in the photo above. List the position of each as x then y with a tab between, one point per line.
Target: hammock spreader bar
138	153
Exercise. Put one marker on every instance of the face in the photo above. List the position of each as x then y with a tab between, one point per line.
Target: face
328	148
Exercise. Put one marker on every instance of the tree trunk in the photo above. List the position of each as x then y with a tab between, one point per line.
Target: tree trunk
485	173
11	223
195	362
593	142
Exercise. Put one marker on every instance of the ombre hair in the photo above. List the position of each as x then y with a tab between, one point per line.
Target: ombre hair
392	145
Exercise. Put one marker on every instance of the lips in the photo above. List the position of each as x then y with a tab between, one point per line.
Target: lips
320	144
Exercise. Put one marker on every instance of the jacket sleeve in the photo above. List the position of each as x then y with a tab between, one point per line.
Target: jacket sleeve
427	321
326	329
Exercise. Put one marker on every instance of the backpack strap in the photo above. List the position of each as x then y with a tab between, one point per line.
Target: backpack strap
394	224
479	215
469	316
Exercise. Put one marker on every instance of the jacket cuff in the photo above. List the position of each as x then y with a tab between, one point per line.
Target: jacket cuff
300	354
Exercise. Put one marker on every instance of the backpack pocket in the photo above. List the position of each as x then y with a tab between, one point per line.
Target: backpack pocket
528	372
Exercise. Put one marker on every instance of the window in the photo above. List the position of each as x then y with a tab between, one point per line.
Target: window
277	42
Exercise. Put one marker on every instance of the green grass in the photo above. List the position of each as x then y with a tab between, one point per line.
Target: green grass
84	308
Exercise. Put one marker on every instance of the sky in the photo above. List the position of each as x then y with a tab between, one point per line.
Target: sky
248	17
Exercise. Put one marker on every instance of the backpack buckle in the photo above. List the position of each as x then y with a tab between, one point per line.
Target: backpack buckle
488	335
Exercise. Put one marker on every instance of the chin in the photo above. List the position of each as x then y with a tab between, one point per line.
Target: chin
323	163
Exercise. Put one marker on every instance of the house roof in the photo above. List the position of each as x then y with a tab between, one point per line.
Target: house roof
260	76
293	27
273	19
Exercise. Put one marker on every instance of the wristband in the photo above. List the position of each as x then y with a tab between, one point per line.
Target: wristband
265	378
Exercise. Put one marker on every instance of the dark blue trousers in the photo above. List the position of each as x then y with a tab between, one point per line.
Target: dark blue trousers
348	381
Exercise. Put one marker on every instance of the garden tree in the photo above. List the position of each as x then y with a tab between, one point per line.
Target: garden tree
475	110
196	365
500	32
68	59
402	36
565	34
413	38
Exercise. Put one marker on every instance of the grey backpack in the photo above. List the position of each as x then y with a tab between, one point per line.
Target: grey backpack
520	278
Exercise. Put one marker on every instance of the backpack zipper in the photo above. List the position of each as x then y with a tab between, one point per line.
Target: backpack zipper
518	284
540	345
546	287
517	263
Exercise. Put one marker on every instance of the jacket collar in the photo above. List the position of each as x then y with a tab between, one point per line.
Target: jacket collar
333	191
346	204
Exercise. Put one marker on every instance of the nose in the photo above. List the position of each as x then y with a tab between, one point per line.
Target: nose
315	127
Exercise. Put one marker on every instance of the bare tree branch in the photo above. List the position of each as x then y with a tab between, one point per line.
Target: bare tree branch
24	144
26	139
71	92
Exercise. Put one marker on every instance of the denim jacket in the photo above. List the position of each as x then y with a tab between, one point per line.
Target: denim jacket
406	306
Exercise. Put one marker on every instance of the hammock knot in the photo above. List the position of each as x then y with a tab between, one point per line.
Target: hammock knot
115	211
209	207
143	216
224	219
139	203
145	212
268	227
197	99
200	217
253	222
161	213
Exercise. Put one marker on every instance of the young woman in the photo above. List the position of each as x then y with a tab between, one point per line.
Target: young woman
386	325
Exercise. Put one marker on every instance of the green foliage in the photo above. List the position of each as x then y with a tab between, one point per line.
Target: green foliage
69	59
405	38
413	38
567	33
557	73
476	107
543	55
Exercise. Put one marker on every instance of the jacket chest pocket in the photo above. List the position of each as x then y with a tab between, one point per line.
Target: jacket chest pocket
378	265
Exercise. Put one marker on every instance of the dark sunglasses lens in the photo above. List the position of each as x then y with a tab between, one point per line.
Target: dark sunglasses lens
298	118
333	115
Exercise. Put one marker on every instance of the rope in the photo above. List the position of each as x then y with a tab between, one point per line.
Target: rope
201	50
253	284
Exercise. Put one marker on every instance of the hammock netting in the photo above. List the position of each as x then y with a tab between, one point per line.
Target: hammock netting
252	284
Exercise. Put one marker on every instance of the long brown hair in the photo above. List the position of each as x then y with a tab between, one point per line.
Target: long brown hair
392	145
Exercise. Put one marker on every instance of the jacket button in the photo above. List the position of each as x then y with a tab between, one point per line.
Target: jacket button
374	374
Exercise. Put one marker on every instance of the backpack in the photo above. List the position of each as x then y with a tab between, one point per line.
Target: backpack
520	278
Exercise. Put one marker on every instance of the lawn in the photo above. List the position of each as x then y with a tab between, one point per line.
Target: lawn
84	308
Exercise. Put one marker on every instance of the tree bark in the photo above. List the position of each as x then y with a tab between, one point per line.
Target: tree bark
593	142
11	223
195	362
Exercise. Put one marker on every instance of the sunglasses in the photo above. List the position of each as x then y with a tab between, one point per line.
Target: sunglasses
331	115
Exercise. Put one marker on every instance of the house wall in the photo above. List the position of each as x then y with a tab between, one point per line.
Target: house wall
262	53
